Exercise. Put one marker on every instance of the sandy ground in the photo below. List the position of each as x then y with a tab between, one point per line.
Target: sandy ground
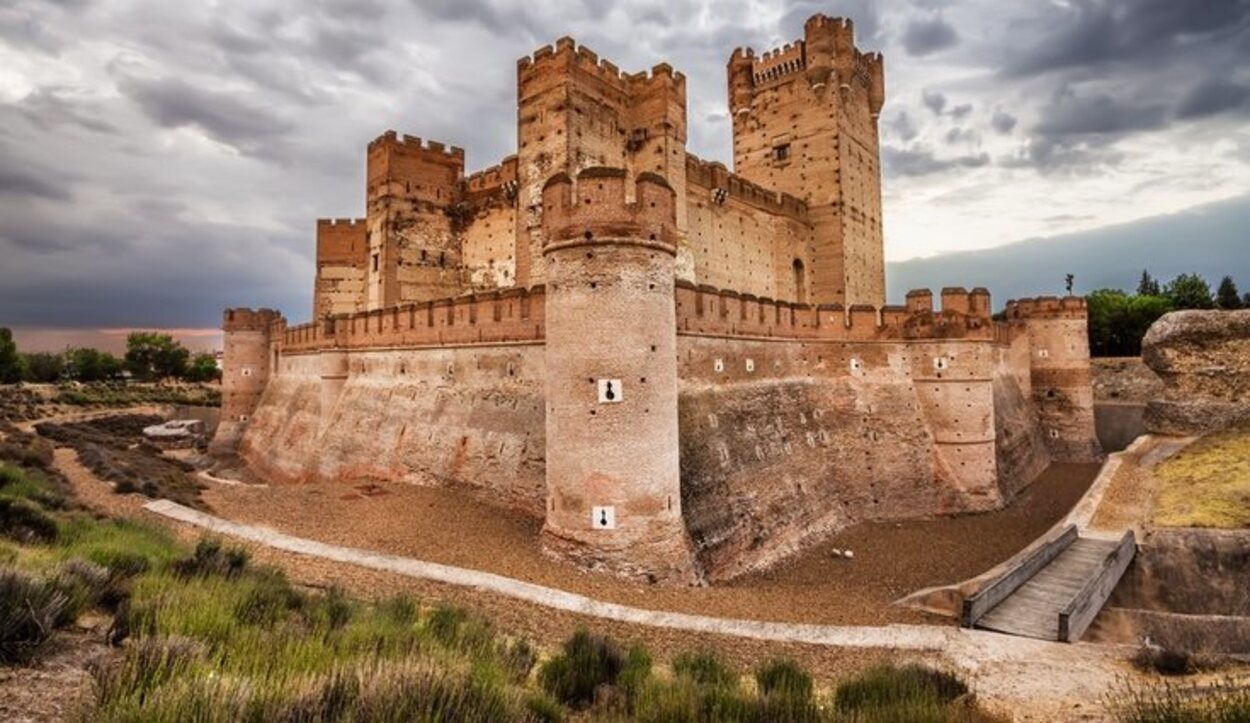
449	527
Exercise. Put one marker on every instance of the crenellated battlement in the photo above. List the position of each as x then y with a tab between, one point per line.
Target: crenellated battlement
510	315
493	177
788	59
1048	307
339	222
417	145
707	310
567	52
713	175
597	206
247	319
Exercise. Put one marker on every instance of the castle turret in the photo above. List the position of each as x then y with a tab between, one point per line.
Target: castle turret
246	366
1059	367
613	481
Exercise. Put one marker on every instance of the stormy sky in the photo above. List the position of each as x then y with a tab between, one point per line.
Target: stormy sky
160	160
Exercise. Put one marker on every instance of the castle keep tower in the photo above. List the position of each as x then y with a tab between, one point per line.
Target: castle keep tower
613	481
575	111
805	123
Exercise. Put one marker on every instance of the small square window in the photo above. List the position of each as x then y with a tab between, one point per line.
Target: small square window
781	152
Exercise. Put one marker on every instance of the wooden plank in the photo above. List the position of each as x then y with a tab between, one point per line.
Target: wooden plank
1075	618
991	595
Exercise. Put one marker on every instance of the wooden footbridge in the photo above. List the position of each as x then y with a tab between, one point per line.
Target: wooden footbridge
1054	592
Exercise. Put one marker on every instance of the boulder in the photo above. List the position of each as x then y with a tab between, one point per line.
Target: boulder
1203	359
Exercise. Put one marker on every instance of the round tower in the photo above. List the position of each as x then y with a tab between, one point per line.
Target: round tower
245	371
613	480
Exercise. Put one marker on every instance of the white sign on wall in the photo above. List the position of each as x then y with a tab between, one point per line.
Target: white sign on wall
610	391
603	518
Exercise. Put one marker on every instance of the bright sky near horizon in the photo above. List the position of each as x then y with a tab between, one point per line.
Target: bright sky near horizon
159	161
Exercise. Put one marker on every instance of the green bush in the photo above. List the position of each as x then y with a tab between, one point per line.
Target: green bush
783	677
31	608
705	668
399	609
888	685
586	663
210	558
23	521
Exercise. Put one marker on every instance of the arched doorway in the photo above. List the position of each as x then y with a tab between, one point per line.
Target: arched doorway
800	282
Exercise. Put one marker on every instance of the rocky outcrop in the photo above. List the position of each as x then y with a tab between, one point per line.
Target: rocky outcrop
1203	359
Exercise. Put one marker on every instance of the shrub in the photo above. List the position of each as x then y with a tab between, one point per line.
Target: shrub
1165	661
210	558
267	598
518	658
1224	702
30	610
22	521
334	608
399	609
30	485
587	662
783	677
705	668
887	685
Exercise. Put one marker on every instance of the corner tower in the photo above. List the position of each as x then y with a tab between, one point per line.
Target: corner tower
613	481
246	366
805	123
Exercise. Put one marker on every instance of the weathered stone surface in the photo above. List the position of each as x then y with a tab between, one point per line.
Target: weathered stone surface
1203	359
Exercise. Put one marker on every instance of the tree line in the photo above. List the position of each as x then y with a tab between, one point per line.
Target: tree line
1118	320
150	356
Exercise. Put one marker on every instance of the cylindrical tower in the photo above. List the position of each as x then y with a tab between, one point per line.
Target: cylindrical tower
245	372
613	480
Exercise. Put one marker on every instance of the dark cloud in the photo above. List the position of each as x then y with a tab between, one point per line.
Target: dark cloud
1212	97
249	128
15	181
923	162
934	101
1087	33
960	111
55	107
1003	122
926	36
1097	115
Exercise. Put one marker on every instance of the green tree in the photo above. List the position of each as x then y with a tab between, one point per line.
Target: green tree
92	365
1190	291
1149	285
42	367
10	362
203	368
153	355
1227	296
1118	321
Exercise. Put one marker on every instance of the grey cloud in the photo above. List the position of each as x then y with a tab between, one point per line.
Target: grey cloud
16	181
962	135
902	126
1091	32
926	36
923	162
934	101
960	111
249	128
52	107
1212	97
1003	122
1097	115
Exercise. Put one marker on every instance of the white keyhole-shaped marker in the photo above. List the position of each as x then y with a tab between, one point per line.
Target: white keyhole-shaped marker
603	518
611	391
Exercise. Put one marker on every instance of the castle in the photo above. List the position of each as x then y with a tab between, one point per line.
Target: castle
687	372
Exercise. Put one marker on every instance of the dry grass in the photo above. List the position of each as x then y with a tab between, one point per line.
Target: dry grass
1206	484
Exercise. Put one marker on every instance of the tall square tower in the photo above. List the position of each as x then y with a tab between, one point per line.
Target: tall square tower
805	123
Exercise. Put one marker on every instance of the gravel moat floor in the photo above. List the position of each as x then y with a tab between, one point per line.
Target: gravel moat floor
891	559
